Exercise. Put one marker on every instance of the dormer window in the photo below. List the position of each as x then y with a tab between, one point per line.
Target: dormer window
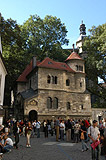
63	65
50	62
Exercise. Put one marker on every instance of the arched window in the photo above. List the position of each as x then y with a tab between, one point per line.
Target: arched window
68	105
82	107
48	79
55	80
49	102
55	103
67	82
77	67
80	84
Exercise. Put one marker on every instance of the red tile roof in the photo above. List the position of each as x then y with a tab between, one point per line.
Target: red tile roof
46	63
49	63
73	55
28	69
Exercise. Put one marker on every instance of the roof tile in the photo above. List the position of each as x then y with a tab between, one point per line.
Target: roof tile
46	63
73	55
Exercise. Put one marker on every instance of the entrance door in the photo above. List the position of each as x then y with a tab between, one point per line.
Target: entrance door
32	115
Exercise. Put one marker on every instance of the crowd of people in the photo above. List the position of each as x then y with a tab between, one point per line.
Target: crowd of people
70	130
82	130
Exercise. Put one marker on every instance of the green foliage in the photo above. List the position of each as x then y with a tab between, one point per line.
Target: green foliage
95	47
44	37
36	37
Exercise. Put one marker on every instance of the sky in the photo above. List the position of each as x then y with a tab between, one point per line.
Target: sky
71	12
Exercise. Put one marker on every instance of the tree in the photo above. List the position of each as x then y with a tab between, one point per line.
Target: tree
13	53
95	47
44	37
36	37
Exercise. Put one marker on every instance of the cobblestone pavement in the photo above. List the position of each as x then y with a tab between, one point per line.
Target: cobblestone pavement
48	149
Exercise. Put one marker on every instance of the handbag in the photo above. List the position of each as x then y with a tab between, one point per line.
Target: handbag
82	135
94	145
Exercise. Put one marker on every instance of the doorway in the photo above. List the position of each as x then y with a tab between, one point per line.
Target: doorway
32	115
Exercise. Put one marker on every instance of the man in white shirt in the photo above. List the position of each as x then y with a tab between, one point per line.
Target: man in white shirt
38	123
34	128
62	128
94	135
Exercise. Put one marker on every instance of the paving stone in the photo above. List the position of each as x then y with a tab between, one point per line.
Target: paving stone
48	149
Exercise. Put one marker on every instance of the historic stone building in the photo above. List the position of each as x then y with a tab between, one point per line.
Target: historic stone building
48	89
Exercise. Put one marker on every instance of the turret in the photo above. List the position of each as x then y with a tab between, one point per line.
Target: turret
79	42
75	62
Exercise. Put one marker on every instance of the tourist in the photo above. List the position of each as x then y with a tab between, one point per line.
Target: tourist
32	133
76	132
62	129
72	130
38	123
34	127
52	127
8	145
21	126
1	142
84	137
101	127
24	130
28	133
104	146
94	135
1	128
45	125
68	130
16	131
57	125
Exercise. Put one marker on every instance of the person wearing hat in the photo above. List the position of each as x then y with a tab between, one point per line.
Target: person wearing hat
94	135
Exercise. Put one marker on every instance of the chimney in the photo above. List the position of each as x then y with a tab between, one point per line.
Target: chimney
33	62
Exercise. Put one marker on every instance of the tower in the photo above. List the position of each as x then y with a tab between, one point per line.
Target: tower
79	42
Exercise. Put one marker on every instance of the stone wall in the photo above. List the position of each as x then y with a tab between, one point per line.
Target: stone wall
21	87
62	76
75	99
98	113
80	103
72	63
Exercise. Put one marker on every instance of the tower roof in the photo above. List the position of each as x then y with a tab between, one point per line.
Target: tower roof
73	55
82	29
